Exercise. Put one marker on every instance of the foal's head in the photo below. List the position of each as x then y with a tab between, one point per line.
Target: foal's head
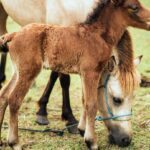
134	13
115	98
120	14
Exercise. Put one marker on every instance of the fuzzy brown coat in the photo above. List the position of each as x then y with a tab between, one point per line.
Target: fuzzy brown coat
67	50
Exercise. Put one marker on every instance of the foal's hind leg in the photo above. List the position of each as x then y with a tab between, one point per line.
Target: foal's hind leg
22	85
4	100
42	103
66	108
3	19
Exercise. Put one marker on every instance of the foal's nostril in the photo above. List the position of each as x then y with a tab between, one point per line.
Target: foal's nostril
126	141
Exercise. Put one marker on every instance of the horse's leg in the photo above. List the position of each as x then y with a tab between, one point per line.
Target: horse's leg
42	103
66	108
24	80
90	84
3	19
4	100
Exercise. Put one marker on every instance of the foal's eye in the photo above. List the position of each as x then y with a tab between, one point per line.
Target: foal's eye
133	8
117	101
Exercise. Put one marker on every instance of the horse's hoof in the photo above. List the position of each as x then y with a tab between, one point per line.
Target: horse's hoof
42	120
72	127
82	132
17	147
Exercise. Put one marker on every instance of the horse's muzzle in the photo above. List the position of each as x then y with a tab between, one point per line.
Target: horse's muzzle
122	141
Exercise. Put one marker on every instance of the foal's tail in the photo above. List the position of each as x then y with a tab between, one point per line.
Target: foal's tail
4	40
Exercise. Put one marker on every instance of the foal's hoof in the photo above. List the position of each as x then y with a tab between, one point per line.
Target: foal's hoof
42	120
82	132
15	146
92	146
72	127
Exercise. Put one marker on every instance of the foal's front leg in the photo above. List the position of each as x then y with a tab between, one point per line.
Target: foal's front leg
82	122
90	83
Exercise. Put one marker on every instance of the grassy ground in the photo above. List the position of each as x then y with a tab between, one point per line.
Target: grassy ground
47	141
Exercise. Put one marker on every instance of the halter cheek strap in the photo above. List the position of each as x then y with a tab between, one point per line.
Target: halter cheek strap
112	116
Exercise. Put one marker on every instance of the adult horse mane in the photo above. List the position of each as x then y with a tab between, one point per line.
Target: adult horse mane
127	72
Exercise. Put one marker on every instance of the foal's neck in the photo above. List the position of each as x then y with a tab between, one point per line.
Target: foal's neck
112	23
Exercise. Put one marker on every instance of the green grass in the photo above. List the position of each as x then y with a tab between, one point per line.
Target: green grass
47	141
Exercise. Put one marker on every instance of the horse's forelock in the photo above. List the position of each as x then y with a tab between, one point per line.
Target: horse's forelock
129	80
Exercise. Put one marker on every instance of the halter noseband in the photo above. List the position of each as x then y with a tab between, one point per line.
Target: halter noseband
112	116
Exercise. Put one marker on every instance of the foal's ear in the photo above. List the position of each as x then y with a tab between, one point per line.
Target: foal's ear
117	2
111	64
137	60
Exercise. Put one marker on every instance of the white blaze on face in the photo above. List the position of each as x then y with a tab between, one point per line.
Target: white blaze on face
114	87
115	90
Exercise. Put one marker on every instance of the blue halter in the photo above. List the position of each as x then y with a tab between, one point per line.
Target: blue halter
112	116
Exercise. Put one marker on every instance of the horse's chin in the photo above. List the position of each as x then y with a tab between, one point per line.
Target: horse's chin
121	142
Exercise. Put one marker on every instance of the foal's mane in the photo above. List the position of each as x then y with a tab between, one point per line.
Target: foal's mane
128	76
93	17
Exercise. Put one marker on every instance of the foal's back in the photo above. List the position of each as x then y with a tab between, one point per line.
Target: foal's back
57	48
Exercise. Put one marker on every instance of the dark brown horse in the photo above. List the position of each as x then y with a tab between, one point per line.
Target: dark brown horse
82	49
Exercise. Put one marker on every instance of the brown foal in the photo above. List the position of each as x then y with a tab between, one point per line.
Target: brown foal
83	49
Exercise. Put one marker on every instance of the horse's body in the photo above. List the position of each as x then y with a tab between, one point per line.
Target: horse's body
58	12
91	44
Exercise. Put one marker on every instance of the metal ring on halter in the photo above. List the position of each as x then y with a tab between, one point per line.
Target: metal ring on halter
112	116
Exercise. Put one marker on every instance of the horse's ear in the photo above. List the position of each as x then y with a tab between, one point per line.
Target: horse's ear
137	60
117	2
111	64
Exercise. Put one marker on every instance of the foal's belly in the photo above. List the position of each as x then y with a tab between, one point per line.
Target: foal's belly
61	67
62	62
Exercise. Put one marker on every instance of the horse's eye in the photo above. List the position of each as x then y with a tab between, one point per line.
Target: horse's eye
133	8
117	101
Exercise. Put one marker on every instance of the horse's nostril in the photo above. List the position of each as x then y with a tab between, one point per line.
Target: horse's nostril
111	139
126	141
